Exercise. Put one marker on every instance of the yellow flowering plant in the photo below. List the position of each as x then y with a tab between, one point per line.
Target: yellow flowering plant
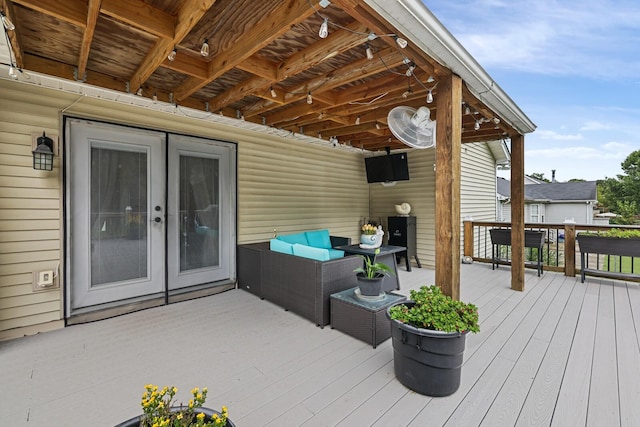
160	409
369	229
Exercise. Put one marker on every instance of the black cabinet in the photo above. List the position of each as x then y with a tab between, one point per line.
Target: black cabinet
402	232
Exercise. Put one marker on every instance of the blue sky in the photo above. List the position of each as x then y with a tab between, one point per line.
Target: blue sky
572	66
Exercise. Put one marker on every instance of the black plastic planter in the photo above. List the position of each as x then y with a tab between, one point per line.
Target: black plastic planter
135	421
426	361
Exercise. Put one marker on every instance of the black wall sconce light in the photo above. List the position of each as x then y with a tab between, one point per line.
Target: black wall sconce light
43	154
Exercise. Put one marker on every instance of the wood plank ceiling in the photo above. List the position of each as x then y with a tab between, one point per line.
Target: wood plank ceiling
266	63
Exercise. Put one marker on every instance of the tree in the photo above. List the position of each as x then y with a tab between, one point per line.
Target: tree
622	194
539	176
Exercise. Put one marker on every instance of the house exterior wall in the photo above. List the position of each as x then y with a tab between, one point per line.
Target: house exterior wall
477	195
283	184
581	213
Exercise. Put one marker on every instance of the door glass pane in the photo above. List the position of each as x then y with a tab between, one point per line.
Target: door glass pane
199	212
119	223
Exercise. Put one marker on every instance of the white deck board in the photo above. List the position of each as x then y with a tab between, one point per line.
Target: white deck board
561	353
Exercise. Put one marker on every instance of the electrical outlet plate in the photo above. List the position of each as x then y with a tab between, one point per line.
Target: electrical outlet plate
44	280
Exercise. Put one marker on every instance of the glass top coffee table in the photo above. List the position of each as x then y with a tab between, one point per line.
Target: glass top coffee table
363	318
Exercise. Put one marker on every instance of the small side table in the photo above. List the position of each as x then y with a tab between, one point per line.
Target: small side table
363	319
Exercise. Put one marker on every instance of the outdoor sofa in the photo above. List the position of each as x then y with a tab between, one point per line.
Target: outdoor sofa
298	284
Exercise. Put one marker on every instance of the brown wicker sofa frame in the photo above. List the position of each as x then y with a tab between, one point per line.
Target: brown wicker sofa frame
300	285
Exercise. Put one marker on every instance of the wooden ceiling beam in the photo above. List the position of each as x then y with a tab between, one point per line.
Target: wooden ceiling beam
353	72
141	15
189	65
273	26
93	12
190	13
14	37
336	43
267	72
71	11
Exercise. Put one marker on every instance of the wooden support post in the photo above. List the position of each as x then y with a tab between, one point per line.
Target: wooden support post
448	147
517	212
468	238
570	250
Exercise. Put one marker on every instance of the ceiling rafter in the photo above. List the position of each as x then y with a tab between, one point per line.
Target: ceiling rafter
141	15
189	14
276	24
93	12
353	72
14	37
338	42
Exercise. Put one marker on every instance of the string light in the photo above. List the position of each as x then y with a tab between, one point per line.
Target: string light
357	120
369	52
6	22
273	92
412	67
407	93
324	29
429	97
377	125
402	43
155	97
172	54
467	110
13	73
476	125
309	98
204	50
139	92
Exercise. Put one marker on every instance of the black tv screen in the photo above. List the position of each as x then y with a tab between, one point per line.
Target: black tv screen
391	167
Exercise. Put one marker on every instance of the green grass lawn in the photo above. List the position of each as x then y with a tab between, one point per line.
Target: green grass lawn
621	264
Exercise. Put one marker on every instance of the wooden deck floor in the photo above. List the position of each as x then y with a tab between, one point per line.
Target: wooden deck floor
561	353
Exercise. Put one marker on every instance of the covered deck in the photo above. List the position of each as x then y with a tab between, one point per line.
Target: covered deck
560	353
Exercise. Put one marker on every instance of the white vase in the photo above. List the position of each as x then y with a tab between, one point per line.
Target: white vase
371	240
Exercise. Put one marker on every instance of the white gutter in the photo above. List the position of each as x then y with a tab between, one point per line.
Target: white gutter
418	25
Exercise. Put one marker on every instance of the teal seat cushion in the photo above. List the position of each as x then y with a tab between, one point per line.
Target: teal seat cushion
319	239
280	246
305	251
299	238
335	253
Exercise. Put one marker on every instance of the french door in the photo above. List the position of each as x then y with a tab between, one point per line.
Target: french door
139	227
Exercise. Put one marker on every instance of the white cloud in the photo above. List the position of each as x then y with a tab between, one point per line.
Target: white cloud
552	135
588	37
593	125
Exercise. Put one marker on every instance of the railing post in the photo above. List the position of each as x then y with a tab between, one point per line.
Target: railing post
570	250
468	238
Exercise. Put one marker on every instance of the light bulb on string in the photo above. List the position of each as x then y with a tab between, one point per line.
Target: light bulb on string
273	92
357	120
6	22
369	52
377	125
309	98
172	54
402	43
412	67
467	110
13	72
155	97
429	97
407	93
324	29
476	126
204	50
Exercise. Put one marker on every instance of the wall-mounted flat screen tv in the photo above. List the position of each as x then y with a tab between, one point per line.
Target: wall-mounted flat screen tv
390	167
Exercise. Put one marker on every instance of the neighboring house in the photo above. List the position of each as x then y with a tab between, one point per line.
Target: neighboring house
551	203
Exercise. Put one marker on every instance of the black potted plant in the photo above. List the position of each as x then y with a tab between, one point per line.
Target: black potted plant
159	409
428	335
371	275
